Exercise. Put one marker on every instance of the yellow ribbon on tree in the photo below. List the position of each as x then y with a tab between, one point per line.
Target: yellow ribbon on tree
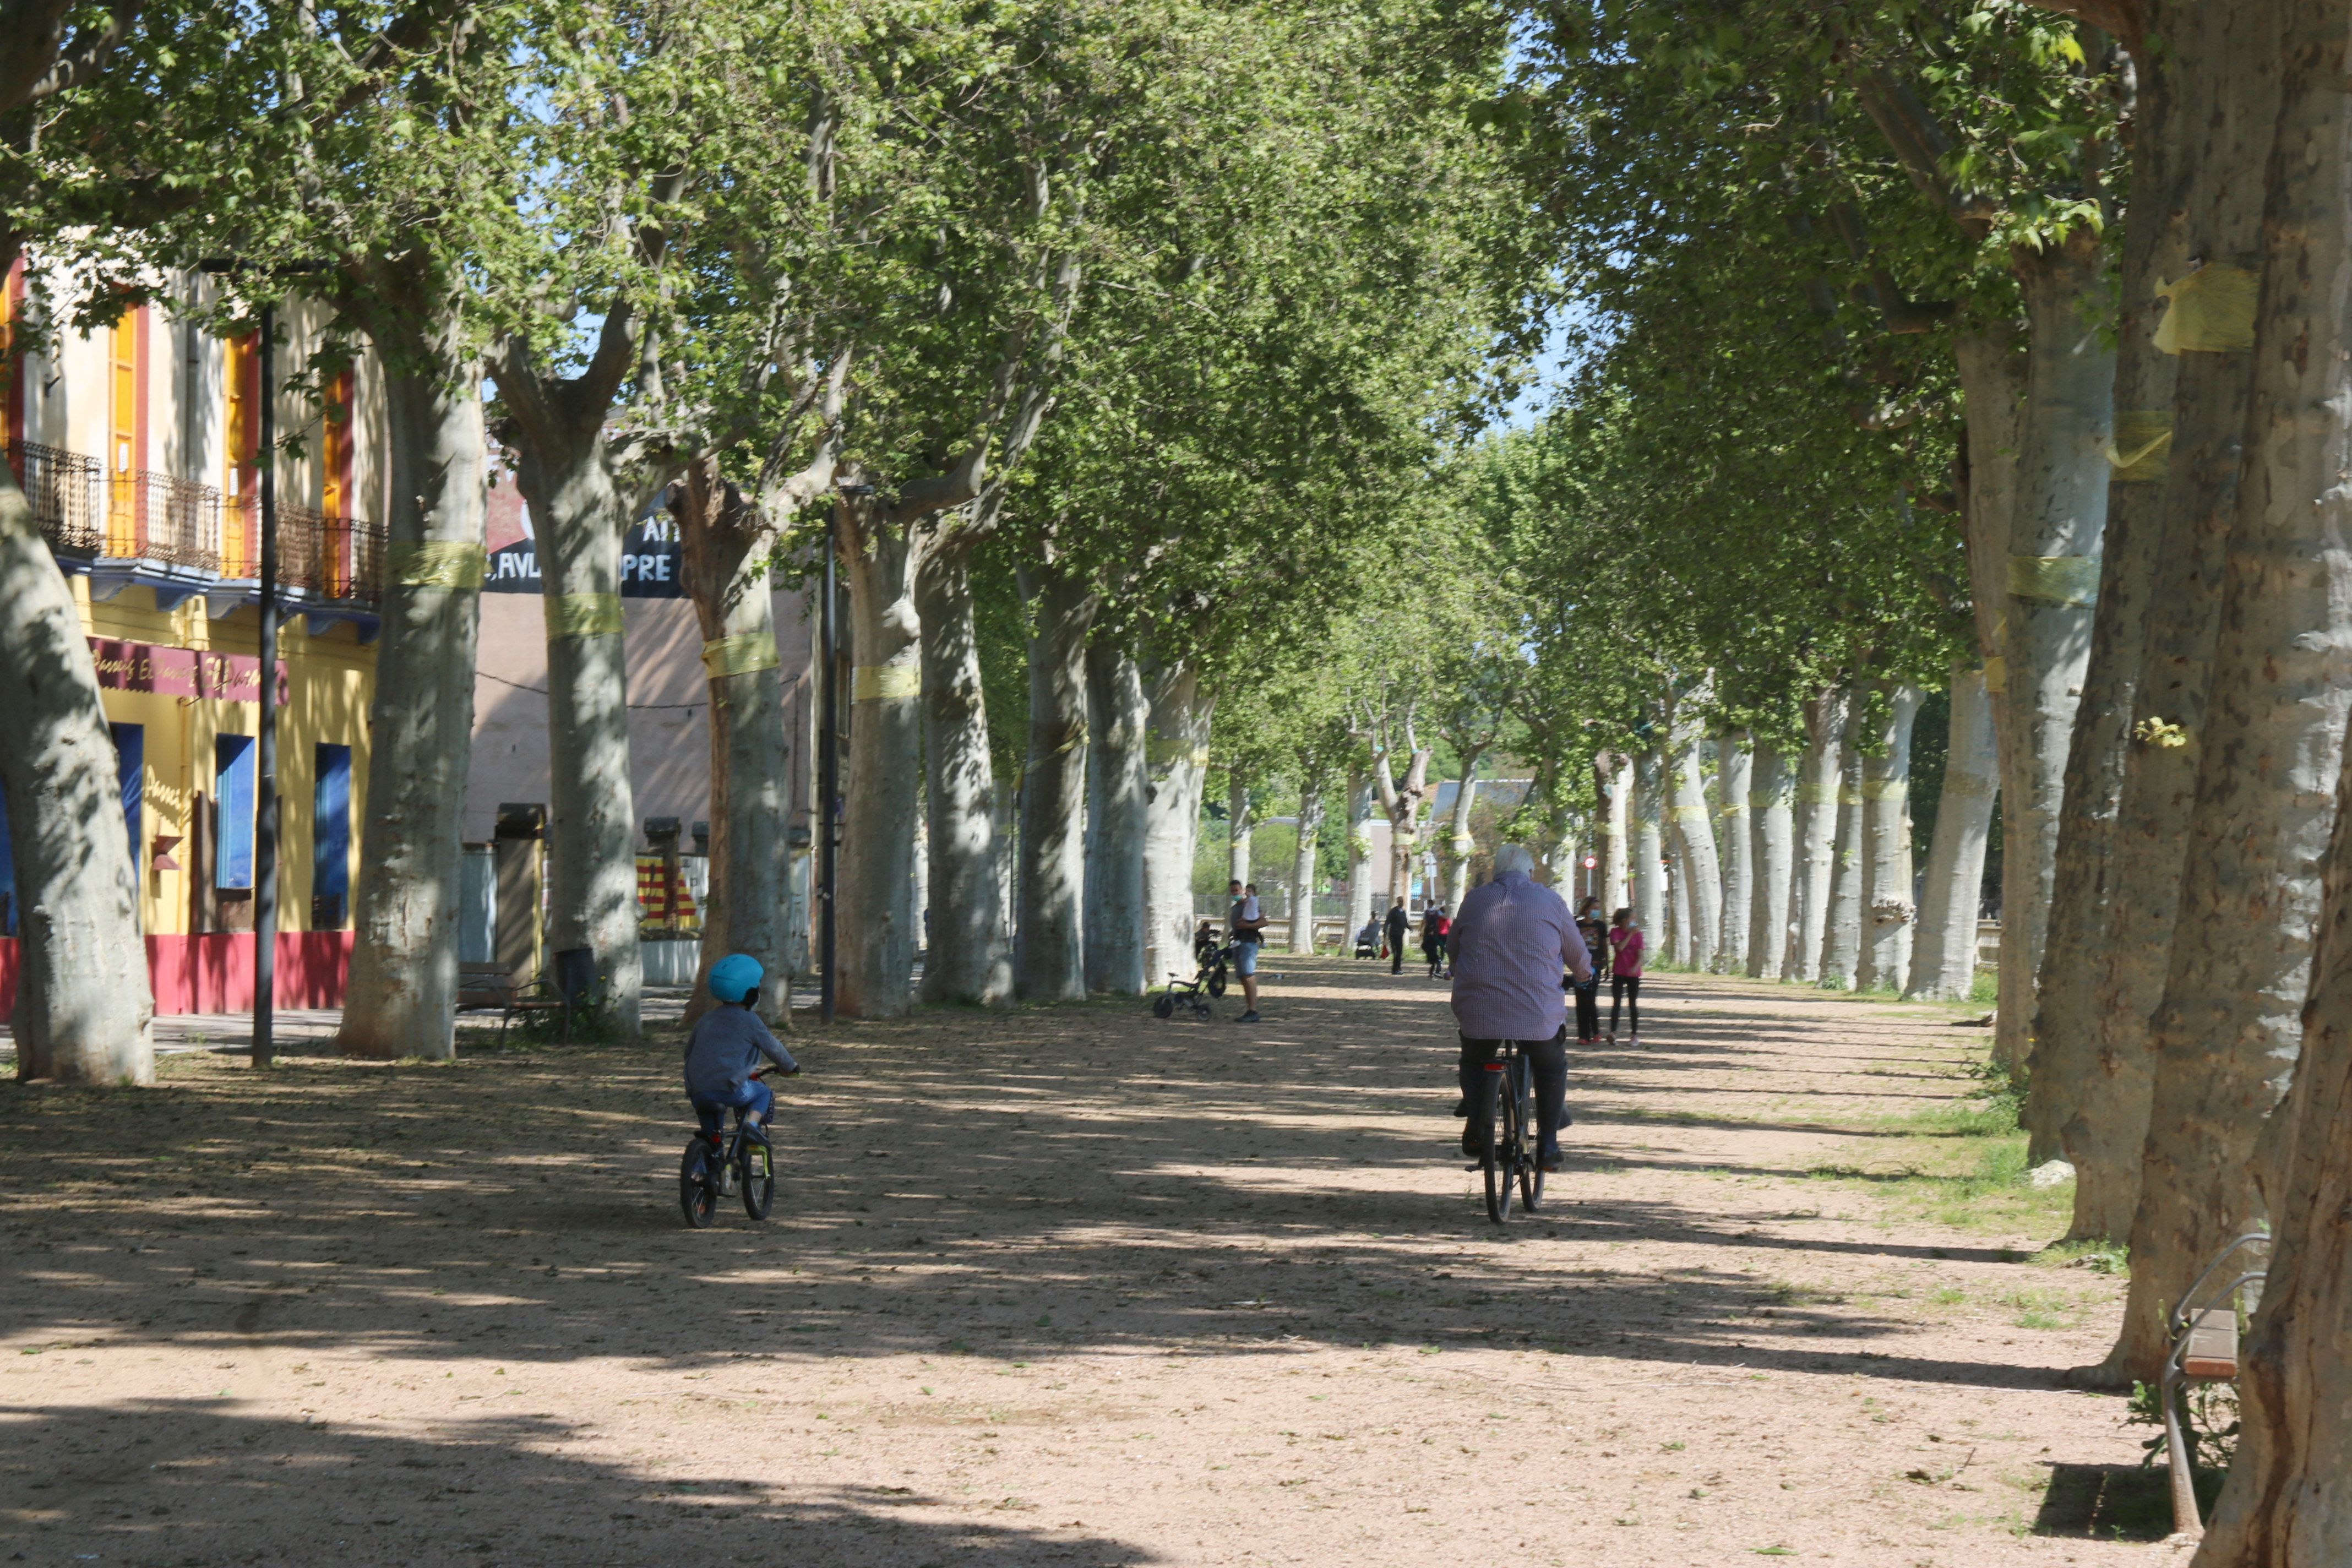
2212	311
1162	752
1995	671
739	655
1886	789
2142	448
1817	795
1076	737
584	616
2054	579
1848	797
455	564
885	682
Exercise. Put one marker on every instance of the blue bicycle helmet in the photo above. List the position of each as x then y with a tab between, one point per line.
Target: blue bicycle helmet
735	976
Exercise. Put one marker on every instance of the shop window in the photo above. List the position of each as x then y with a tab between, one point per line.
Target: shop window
234	777
131	773
330	840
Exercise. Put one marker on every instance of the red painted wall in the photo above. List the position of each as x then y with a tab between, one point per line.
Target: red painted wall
214	973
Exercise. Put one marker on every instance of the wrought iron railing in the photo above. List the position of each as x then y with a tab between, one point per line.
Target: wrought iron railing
65	490
88	514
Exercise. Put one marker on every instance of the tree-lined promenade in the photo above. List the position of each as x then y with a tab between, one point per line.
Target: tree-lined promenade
1164	380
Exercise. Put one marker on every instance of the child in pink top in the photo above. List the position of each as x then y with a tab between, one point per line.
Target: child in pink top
1626	944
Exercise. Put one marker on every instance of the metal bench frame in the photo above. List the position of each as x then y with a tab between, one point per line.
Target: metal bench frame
2204	1329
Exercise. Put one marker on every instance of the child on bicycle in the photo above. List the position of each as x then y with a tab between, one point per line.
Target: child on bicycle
724	1047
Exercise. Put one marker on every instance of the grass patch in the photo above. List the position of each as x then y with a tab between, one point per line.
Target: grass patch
1960	1165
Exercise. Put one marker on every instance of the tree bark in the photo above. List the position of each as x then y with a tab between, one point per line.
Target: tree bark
726	541
1887	911
1239	825
1178	750
1119	784
1696	870
402	994
580	520
1612	776
1842	930
1302	866
1734	768
1817	837
1459	845
2094	1104
967	958
1049	963
1360	860
1944	958
83	1004
2062	491
1772	788
1648	844
876	920
2227	1033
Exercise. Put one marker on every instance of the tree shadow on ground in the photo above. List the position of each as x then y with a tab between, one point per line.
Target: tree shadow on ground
195	1482
2116	1502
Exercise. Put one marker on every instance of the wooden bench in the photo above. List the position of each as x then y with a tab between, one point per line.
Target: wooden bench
485	985
2204	1329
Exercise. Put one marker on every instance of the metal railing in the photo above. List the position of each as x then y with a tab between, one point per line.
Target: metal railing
63	489
88	514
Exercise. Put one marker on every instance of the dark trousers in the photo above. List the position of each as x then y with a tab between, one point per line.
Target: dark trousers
1550	1059
1588	1012
1396	949
1625	989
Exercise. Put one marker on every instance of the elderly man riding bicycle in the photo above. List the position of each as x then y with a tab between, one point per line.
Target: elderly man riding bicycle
1509	942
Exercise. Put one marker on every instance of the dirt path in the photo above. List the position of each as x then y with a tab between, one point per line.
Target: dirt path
1070	1286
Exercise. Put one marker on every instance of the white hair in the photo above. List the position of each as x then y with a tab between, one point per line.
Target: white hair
1510	857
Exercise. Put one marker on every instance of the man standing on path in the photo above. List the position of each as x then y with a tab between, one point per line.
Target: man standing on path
1510	939
1247	923
1399	923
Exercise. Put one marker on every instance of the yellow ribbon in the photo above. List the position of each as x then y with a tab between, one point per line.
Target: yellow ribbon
1886	789
1996	674
2212	311
2054	579
584	616
2142	448
739	655
453	563
1076	737
885	682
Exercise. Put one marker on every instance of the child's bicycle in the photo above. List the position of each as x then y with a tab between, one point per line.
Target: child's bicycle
1209	981
722	1164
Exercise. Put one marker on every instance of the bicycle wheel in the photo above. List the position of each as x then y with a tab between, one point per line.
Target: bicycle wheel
697	1189
1494	1156
758	1167
1523	1146
1163	1005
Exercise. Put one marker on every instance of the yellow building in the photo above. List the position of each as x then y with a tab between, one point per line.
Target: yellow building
138	447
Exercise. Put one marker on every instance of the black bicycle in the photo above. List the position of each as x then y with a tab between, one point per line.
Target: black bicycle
723	1164
1507	1136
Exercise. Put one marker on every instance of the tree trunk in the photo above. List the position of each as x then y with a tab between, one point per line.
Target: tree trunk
401	996
1678	901
1944	958
1178	753
1697	875
1648	844
83	1005
1734	768
726	541
1359	860
1842	931
1613	775
1817	840
875	939
1049	962
2052	573
1302	866
1118	784
2094	1104
1459	845
967	959
2227	1034
1239	825
580	521
1886	909
1771	786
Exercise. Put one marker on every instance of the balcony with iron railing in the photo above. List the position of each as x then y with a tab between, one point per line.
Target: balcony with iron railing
183	538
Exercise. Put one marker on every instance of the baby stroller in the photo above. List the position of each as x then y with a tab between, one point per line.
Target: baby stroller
1367	941
1207	981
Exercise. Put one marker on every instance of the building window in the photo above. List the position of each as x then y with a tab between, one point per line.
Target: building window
336	445
330	840
233	777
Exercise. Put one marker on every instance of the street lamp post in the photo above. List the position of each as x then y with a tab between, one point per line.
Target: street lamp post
265	798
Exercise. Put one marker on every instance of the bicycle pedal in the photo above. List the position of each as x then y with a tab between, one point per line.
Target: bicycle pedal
1475	1165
